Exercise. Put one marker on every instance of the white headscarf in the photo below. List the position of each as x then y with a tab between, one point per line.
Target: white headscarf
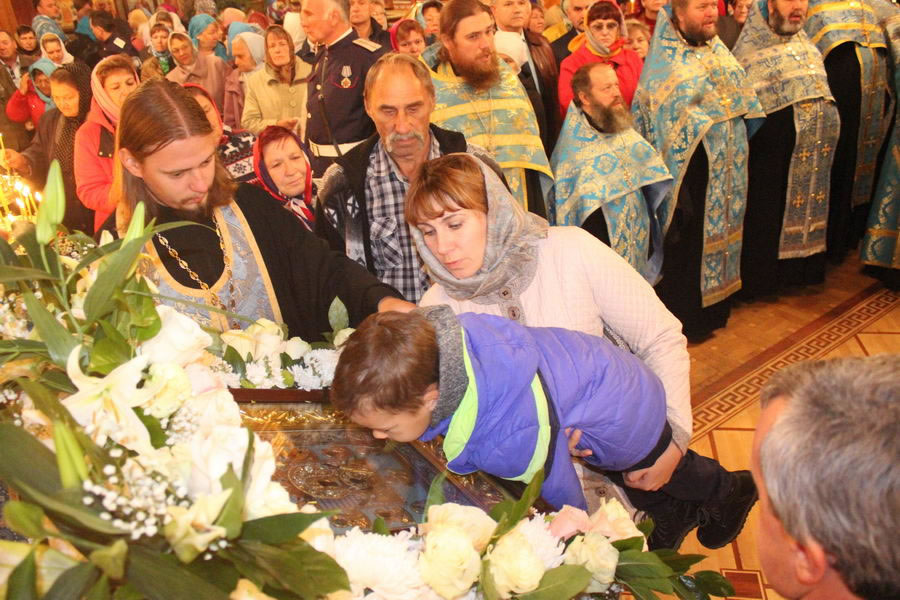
66	59
257	46
513	45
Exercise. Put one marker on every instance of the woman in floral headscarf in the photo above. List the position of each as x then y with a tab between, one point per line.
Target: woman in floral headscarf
282	166
604	40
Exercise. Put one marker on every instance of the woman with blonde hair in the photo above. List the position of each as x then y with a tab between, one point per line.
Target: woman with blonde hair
112	80
276	94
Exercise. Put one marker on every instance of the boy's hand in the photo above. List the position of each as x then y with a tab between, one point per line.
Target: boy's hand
654	477
574	436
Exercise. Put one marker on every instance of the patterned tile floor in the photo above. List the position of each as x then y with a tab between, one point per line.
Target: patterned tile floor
726	409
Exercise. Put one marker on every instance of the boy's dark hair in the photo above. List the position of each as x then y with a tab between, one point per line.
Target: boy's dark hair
103	20
388	363
23	29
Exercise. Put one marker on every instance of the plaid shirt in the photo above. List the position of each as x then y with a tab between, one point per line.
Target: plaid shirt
393	251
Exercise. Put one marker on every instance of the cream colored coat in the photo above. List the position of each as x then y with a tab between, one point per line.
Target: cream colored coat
267	101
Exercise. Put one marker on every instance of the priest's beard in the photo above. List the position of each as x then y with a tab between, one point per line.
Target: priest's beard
610	119
782	26
695	34
478	75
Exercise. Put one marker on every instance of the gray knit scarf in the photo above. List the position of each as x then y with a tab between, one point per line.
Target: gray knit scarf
510	255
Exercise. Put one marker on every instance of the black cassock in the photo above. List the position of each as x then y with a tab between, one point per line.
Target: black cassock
762	273
305	273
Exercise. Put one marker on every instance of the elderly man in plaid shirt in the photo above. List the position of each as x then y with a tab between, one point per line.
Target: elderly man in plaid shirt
362	196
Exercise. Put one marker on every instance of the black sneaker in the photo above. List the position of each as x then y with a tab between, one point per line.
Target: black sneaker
722	520
672	523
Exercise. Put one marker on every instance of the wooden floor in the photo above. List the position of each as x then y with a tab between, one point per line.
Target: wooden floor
850	315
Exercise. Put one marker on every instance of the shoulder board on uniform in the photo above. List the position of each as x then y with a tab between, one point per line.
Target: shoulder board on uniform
367	44
119	42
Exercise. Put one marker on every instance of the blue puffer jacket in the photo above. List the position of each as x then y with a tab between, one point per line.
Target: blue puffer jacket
504	424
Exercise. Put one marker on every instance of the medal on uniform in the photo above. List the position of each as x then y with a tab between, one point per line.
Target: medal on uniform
346	72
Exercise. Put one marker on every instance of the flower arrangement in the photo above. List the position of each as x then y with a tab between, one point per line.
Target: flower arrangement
261	356
138	481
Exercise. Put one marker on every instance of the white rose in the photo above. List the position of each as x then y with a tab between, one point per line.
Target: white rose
240	340
341	336
450	565
476	523
265	326
180	339
246	590
612	520
211	455
295	348
169	388
212	409
516	568
597	555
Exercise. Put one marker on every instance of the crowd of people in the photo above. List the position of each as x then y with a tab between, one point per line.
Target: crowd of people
622	170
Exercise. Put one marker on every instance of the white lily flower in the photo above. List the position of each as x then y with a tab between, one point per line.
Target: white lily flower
105	405
191	530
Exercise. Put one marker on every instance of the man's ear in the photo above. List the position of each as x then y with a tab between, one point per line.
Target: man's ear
583	98
810	562
431	396
131	163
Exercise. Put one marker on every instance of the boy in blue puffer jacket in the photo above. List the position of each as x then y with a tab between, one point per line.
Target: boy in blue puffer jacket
502	394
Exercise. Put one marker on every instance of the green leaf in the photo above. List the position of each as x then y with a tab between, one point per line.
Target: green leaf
713	583
26	459
22	582
160	577
109	351
236	361
52	209
99	299
435	491
633	543
59	341
158	435
69	456
686	588
646	527
248	458
642	592
27	240
100	591
279	529
319	576
111	559
73	583
216	571
499	511
380	527
635	564
679	563
230	517
337	315
71	511
25	519
561	583
8	255
10	274
136	225
486	582
245	563
520	507
127	592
